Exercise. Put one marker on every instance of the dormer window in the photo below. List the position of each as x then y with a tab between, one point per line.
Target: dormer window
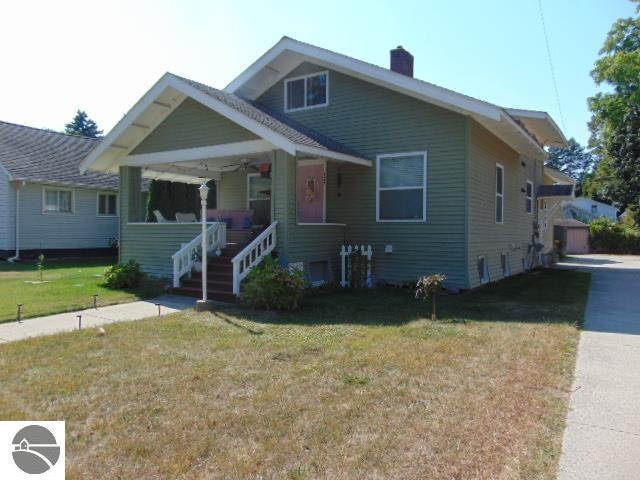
308	91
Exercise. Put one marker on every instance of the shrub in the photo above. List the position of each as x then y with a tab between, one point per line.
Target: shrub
429	287
127	275
271	286
607	236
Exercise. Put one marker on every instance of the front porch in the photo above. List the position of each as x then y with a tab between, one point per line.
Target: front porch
288	197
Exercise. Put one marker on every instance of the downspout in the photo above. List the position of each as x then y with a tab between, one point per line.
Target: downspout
16	257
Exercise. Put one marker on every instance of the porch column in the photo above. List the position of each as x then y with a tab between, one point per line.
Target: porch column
131	208
131	205
283	199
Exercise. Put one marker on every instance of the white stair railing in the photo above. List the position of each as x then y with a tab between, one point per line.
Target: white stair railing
252	255
184	259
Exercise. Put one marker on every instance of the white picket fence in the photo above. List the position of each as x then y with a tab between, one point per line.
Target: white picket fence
346	256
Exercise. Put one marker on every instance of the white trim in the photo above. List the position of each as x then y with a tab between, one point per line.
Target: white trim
424	186
496	194
485	277
306	224
379	75
138	109
249	199
58	189
529	198
343	157
108	215
538	115
304	93
6	172
198	153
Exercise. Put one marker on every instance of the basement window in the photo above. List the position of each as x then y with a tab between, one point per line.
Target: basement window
307	91
483	269
505	264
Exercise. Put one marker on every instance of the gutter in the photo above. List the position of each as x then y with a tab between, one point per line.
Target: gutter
16	257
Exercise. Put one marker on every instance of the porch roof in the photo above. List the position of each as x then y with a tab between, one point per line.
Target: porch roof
166	95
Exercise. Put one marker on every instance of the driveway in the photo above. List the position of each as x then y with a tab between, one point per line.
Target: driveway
602	437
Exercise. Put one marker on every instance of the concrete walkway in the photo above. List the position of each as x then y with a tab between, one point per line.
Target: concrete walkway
33	327
602	438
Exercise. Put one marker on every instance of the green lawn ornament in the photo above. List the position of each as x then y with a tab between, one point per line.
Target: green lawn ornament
40	265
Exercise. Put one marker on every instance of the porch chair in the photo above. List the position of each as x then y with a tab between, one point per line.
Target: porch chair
159	217
186	217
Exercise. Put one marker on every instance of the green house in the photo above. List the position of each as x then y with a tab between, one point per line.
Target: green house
311	150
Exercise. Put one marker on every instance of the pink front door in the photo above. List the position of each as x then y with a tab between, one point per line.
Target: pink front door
310	181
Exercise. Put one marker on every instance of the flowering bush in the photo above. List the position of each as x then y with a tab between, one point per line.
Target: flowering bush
429	287
271	286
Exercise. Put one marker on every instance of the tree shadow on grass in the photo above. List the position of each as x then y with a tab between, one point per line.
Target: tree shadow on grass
542	296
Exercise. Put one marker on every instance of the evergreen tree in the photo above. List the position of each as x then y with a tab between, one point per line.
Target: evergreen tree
82	125
574	161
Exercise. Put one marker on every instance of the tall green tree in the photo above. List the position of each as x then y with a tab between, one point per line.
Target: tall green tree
613	112
574	161
82	125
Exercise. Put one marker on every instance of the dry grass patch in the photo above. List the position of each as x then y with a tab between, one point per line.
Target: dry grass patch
352	386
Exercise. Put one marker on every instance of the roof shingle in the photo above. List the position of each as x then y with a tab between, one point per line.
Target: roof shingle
46	156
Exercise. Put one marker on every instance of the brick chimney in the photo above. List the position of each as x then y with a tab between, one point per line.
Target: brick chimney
401	61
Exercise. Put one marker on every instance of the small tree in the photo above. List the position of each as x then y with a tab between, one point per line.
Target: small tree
429	287
82	125
40	265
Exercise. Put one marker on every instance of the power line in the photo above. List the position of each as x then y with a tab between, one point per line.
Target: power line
553	73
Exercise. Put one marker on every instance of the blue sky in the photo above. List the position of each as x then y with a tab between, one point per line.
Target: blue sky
102	56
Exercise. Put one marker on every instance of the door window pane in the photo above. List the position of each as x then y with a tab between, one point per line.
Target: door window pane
317	90
295	94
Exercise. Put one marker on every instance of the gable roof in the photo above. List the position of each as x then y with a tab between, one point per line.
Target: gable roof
513	127
287	127
171	90
44	156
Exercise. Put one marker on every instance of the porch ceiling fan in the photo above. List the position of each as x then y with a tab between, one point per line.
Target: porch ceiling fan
244	166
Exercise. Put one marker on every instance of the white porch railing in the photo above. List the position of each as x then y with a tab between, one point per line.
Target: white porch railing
252	255
346	253
184	259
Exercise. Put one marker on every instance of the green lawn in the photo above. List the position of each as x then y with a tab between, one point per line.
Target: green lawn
353	385
69	285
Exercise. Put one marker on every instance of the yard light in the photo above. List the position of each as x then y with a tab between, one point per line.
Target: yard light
19	312
95	301
203	304
79	322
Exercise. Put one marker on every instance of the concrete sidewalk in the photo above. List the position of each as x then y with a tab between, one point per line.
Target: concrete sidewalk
602	438
33	327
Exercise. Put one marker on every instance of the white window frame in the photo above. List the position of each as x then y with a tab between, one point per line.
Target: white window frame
529	199
98	214
498	195
300	77
424	186
506	271
58	212
485	277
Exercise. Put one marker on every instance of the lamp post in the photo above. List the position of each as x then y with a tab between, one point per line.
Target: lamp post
203	304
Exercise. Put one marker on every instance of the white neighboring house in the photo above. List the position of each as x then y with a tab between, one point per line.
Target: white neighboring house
592	208
46	205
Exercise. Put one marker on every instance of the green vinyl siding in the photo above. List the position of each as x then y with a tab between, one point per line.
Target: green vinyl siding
193	125
373	120
485	236
301	243
233	190
149	244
